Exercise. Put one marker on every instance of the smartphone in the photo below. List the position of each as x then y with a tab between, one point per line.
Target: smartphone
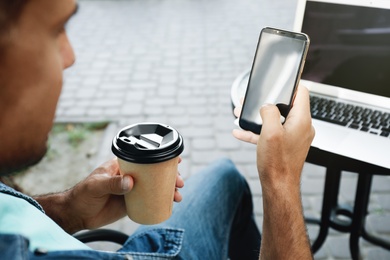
276	71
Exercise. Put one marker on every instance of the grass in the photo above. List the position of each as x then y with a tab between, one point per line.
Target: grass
77	133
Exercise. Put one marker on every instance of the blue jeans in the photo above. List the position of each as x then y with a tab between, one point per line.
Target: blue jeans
214	221
216	214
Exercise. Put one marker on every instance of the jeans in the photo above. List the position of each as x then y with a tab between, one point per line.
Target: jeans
213	221
217	215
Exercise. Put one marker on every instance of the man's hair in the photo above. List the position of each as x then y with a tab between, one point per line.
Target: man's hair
9	13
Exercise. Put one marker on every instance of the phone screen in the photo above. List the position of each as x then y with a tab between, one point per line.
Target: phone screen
275	74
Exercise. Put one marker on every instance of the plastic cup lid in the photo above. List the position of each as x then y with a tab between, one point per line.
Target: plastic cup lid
147	143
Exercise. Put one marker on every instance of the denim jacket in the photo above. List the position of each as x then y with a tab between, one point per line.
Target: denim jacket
158	243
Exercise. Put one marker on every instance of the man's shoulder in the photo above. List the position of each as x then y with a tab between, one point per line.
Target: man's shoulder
6	190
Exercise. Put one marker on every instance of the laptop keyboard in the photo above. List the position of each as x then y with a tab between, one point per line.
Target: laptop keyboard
352	116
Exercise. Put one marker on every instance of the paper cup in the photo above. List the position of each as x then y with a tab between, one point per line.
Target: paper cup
149	152
151	199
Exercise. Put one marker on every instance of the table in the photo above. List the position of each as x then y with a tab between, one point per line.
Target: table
353	219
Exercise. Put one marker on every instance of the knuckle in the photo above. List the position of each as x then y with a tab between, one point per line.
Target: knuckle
274	136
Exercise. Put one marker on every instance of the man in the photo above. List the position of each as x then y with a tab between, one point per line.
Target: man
214	220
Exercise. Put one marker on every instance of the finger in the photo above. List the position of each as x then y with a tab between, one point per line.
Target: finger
117	185
237	111
177	197
245	136
300	115
301	105
179	182
110	167
271	119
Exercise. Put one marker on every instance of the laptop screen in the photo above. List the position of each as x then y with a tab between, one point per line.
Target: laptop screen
349	47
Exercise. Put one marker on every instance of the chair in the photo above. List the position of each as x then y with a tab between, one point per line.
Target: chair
102	235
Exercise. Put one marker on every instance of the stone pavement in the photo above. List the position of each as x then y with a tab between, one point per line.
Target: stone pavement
174	61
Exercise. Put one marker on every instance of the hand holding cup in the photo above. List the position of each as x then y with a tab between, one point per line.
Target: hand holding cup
149	152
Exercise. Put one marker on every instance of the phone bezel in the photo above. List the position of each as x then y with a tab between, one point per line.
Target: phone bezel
252	126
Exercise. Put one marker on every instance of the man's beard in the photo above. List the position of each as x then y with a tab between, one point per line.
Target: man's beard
17	164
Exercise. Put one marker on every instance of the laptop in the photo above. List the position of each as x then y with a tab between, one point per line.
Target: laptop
347	71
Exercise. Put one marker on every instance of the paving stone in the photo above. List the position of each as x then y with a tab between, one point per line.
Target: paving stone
94	112
113	95
322	253
306	202
83	102
91	72
226	141
135	96
379	223
339	246
100	64
178	121
111	86
85	93
91	81
130	109
196	132
194	110
153	101
244	157
249	170
141	76
203	143
195	168
202	121
224	122
380	183
111	112
76	111
105	102
316	202
377	253
312	186
167	91
192	101
313	171
206	157
143	85
374	206
348	188
259	222
120	78
66	103
384	201
257	203
156	118
153	110
255	187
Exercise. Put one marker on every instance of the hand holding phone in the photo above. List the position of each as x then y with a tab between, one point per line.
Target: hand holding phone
275	75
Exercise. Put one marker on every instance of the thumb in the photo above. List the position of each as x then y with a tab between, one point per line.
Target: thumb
271	118
119	184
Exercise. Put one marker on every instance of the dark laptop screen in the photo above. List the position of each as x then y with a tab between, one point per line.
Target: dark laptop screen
349	47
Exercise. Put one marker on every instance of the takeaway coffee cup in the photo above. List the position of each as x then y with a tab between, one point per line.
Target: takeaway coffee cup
149	152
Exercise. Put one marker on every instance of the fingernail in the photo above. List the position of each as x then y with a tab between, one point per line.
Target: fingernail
125	182
266	105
